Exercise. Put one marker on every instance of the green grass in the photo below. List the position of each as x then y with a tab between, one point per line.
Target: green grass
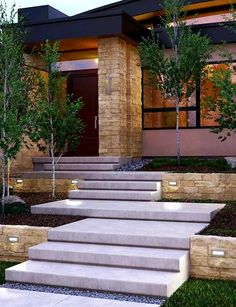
3	266
217	164
204	293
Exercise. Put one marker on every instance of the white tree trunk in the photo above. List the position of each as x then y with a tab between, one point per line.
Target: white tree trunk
177	132
53	166
3	181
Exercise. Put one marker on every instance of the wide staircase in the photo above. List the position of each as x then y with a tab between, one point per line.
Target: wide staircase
128	243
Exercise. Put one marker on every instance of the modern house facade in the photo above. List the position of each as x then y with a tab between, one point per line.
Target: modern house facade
123	115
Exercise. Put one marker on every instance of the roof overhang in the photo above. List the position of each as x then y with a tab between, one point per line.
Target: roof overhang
115	24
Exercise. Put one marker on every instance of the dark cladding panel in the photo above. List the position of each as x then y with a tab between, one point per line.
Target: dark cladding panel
40	13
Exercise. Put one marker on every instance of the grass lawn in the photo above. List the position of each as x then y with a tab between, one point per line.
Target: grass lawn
204	293
3	266
193	165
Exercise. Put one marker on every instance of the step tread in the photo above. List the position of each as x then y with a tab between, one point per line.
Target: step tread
124	256
127	232
119	185
95	277
110	250
202	212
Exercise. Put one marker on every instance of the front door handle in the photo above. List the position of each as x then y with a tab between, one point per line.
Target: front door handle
96	122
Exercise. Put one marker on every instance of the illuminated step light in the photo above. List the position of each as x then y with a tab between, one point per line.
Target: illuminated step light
13	239
172	183
218	253
74	181
19	180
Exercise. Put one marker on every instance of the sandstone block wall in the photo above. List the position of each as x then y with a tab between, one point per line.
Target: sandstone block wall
42	185
199	186
120	105
28	236
204	265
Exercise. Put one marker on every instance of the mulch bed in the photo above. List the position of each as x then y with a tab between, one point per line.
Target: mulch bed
224	223
186	169
29	219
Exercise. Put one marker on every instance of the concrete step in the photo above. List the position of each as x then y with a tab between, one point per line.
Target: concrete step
24	298
83	167
111	255
115	195
70	160
168	211
119	185
98	175
148	282
127	232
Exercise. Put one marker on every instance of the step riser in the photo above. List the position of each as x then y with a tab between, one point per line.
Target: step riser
82	167
113	239
88	283
93	175
119	214
47	160
110	260
115	195
119	185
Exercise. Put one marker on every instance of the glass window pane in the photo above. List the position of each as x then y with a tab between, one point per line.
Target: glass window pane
152	98
168	119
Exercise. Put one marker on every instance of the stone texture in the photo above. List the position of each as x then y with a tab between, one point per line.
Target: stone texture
120	112
199	186
204	265
28	236
42	185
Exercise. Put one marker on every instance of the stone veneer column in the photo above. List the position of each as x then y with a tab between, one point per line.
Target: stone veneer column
119	86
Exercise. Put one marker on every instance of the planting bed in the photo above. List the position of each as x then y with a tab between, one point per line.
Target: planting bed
37	219
190	165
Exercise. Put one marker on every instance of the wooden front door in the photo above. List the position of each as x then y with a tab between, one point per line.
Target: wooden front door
84	84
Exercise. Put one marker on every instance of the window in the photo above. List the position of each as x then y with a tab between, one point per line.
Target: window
159	112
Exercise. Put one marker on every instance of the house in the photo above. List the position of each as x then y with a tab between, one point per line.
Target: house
122	114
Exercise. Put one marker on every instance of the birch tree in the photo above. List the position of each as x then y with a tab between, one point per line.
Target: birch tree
177	72
57	121
16	82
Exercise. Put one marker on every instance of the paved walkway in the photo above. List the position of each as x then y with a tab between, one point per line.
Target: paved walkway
22	298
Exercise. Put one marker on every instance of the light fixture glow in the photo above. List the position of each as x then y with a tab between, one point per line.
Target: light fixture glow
13	239
19	180
172	183
218	253
74	181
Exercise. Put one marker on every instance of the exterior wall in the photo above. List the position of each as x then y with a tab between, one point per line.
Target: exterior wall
42	185
204	265
119	82
28	236
194	142
199	186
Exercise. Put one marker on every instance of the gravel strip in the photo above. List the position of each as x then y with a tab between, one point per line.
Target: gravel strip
87	293
134	165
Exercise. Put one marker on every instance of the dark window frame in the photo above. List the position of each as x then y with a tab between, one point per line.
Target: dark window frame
196	108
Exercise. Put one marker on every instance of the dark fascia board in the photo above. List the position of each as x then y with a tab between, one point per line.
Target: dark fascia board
133	7
118	24
40	13
216	32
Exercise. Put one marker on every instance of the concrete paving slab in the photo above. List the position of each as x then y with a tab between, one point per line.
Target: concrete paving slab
23	298
170	211
127	232
102	278
99	254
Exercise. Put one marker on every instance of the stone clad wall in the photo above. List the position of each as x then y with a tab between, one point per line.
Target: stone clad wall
204	265
28	236
199	186
119	83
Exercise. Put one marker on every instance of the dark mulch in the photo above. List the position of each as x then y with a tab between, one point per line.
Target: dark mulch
224	223
189	165
39	219
187	169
